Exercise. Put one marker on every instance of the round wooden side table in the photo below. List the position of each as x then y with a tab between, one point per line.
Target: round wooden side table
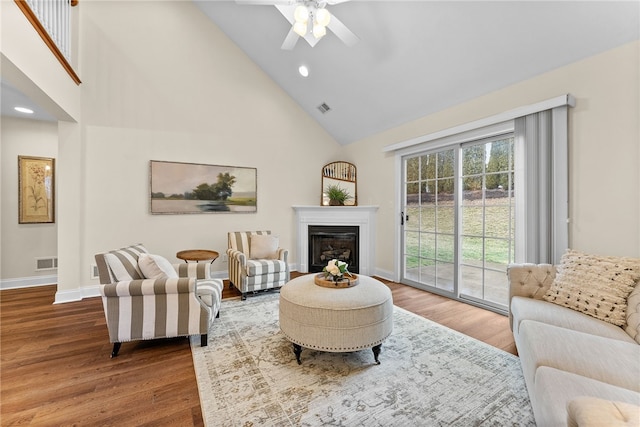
197	255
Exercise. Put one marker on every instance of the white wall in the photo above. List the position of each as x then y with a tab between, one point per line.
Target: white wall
149	95
604	143
22	243
29	65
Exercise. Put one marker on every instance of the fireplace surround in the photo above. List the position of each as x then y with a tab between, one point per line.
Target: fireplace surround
362	217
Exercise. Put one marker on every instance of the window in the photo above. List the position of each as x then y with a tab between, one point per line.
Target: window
487	232
528	224
459	224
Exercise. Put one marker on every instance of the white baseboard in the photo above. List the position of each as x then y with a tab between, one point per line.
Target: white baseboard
71	295
222	274
387	275
28	282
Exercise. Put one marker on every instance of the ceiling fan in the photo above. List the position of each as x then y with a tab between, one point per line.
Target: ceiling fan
309	19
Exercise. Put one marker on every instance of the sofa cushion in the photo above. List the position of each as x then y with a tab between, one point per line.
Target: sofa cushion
595	285
593	412
263	246
612	361
633	314
123	263
156	267
553	390
545	312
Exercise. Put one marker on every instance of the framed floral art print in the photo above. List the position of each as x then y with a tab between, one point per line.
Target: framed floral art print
36	185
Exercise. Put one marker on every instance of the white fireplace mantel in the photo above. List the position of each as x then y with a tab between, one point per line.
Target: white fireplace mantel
362	216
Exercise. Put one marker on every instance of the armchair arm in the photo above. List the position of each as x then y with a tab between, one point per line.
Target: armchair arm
149	287
237	257
530	280
199	270
283	254
237	266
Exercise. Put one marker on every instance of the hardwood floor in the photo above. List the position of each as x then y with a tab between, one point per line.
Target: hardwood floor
55	367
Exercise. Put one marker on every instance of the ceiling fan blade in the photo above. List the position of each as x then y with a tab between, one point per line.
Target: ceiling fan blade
342	32
287	12
290	41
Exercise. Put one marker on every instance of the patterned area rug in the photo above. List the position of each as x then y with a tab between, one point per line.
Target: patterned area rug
428	375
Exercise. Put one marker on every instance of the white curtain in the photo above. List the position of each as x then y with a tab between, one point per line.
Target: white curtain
542	177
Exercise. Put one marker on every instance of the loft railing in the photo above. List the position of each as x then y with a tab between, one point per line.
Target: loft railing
52	21
55	17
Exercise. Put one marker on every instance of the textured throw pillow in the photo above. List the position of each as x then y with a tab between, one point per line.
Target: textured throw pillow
595	285
156	267
263	246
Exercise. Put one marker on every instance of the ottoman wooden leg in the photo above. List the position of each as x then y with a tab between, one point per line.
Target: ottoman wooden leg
376	352
297	350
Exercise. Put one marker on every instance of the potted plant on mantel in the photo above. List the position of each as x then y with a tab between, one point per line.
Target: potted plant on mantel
337	195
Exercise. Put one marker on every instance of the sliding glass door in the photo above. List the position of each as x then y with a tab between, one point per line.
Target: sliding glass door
429	220
458	220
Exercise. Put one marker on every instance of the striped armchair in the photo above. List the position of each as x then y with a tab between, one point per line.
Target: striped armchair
136	308
256	262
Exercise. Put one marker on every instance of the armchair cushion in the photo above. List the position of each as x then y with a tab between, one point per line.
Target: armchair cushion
156	267
263	246
264	266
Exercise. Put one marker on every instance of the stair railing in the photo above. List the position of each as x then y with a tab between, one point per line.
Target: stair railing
52	21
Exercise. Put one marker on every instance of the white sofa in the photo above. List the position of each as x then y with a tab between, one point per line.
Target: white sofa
579	370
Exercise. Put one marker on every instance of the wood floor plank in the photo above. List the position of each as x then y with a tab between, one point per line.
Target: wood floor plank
55	367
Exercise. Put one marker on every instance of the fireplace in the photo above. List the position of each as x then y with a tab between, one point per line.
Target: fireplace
327	242
361	217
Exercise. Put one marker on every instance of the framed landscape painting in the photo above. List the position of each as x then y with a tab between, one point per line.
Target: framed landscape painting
36	184
192	188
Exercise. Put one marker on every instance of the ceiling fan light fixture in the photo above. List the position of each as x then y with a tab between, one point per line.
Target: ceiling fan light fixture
323	17
319	31
300	28
301	14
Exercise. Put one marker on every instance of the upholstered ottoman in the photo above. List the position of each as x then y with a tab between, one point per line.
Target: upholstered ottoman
336	319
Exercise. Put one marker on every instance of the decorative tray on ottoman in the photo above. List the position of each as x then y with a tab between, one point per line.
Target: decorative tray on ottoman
345	282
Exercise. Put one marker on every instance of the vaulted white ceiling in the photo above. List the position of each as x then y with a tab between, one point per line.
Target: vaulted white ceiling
415	58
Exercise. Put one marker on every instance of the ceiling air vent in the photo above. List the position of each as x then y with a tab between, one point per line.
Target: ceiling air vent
324	108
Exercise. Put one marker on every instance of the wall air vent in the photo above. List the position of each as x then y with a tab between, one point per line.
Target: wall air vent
324	108
94	274
48	263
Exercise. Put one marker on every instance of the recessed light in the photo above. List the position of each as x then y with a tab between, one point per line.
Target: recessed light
24	110
303	70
